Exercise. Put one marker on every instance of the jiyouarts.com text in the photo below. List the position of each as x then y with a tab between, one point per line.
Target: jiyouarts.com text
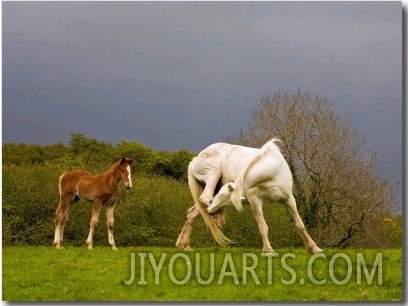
218	268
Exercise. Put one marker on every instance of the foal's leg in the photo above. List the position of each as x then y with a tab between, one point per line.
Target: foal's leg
256	206
110	221
61	217
94	222
183	240
57	222
64	220
309	243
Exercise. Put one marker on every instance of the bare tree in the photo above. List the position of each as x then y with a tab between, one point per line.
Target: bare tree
340	196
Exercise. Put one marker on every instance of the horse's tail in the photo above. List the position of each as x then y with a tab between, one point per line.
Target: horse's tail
237	194
196	190
272	144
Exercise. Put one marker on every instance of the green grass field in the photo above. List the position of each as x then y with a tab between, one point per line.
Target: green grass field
210	274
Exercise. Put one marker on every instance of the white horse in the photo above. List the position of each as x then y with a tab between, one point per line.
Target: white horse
219	162
259	174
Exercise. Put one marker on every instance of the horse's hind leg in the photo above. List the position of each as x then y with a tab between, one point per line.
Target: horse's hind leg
110	221
183	241
94	222
309	243
256	206
61	217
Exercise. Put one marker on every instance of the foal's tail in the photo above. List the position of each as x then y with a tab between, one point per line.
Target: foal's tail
196	190
59	183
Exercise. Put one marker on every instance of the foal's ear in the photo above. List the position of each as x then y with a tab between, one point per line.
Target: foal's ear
230	188
126	160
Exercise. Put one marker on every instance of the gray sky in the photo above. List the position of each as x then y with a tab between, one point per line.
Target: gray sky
186	74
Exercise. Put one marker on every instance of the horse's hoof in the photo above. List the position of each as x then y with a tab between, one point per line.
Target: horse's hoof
314	249
317	250
205	200
219	221
184	247
268	252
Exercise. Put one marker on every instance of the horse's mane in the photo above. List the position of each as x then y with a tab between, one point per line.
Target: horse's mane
116	165
114	168
237	193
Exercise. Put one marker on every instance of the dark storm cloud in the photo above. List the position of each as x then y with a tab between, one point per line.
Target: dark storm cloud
186	74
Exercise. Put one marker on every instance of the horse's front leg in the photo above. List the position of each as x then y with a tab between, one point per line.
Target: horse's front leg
110	222
219	217
210	184
94	222
183	241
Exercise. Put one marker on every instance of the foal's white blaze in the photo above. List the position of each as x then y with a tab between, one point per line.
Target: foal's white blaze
129	184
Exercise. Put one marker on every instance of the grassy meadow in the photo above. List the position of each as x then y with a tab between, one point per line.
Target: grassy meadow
39	273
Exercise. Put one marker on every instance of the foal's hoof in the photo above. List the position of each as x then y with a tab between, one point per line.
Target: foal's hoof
59	247
90	247
114	248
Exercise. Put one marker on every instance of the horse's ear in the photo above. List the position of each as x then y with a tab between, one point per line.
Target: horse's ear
230	188
130	160
123	160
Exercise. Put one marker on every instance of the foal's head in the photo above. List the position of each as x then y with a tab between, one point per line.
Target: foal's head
124	172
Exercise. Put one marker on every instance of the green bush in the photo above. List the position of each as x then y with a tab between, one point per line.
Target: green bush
18	154
30	196
152	213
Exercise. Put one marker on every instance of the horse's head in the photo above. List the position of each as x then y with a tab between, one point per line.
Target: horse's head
222	198
125	172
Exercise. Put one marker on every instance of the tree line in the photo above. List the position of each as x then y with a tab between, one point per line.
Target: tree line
92	153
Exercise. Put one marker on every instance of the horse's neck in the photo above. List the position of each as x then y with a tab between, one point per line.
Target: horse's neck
111	176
